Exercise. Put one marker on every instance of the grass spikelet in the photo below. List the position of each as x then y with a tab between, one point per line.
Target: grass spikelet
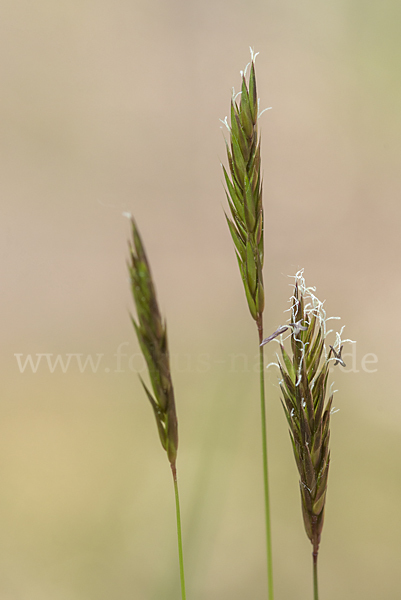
245	223
244	191
152	337
304	382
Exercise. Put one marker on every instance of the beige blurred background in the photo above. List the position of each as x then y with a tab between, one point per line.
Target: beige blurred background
109	107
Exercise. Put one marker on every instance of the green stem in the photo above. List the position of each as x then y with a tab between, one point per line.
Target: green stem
265	466
315	588
179	536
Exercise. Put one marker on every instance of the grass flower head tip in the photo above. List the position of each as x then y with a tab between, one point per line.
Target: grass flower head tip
152	336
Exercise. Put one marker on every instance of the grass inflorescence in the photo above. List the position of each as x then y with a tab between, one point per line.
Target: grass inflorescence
304	389
152	336
244	192
246	225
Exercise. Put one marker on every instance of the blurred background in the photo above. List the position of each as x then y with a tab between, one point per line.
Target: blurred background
113	107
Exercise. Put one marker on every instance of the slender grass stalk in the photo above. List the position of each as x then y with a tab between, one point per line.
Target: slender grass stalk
303	386
179	536
315	586
265	471
152	336
244	196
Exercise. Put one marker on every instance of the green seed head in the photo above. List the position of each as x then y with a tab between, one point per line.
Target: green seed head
304	382
152	338
244	190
